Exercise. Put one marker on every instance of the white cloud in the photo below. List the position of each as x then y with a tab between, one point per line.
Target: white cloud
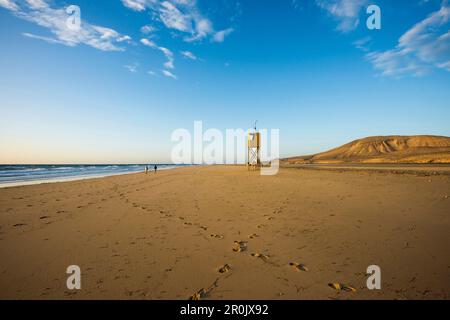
124	38
133	68
363	43
148	43
169	64
43	38
152	73
188	55
167	53
37	4
296	4
203	28
220	36
425	46
55	20
169	74
138	5
180	15
445	65
9	4
147	29
345	11
174	18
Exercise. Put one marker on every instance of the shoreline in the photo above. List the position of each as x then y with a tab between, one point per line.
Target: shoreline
414	169
14	184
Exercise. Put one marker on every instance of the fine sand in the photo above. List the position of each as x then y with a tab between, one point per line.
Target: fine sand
167	235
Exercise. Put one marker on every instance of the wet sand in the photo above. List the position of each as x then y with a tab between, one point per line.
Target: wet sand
168	235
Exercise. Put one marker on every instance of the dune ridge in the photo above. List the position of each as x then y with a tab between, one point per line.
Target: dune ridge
384	149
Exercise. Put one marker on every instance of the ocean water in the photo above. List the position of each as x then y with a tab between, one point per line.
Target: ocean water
14	175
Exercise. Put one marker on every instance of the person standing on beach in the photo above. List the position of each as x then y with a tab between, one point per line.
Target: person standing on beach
156	168
146	169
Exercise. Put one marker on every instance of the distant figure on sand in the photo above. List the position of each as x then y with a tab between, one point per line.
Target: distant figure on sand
156	168
146	169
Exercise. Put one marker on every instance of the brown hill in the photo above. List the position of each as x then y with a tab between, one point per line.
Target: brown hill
384	149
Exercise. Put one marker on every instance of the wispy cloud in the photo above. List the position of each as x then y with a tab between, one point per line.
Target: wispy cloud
43	38
220	36
148	29
138	5
346	12
133	68
188	55
148	43
363	43
296	4
424	47
169	74
173	18
169	64
9	4
55	20
37	4
182	16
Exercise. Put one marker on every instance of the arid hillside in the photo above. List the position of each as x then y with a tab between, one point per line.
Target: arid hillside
384	149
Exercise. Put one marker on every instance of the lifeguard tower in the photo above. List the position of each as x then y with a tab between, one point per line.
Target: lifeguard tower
253	149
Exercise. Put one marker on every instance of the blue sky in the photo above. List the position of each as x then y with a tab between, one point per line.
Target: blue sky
114	91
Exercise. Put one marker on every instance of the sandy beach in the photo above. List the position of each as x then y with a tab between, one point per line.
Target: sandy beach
168	235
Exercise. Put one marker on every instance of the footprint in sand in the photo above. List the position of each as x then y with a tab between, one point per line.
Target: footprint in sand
261	256
224	269
204	228
198	295
240	246
19	225
252	236
204	292
217	236
341	286
299	266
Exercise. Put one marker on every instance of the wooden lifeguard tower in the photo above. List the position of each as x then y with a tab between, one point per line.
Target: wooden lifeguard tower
254	149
